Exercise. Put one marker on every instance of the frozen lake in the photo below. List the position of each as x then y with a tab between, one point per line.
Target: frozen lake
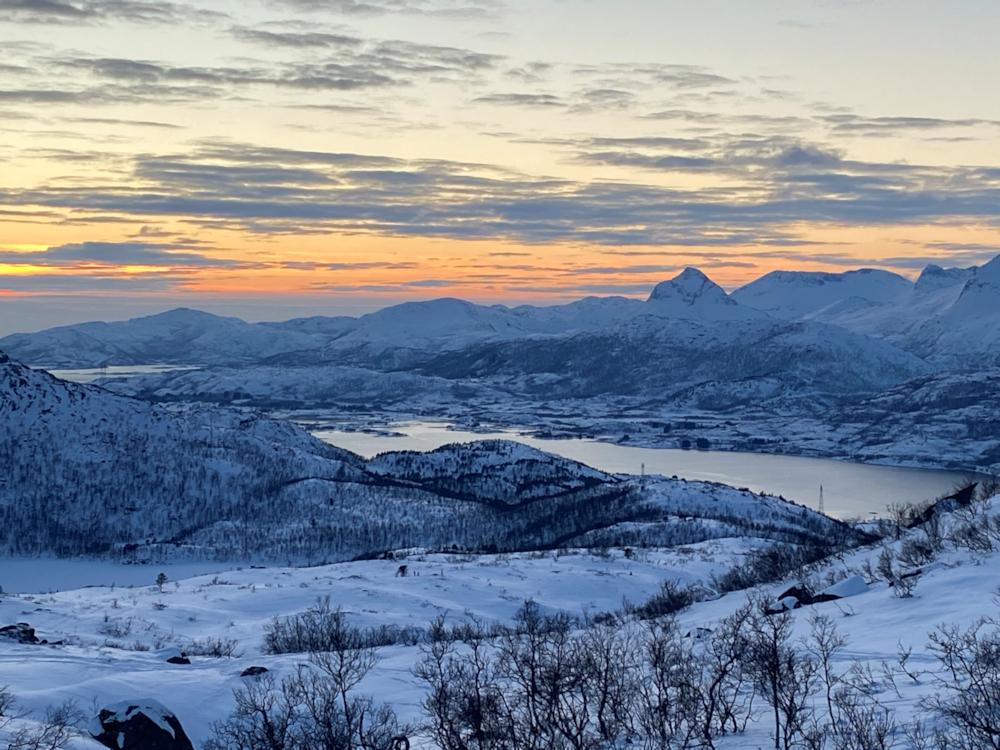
39	575
850	490
115	371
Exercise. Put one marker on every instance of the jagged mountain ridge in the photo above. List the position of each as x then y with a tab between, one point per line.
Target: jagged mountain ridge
949	316
391	335
658	358
95	473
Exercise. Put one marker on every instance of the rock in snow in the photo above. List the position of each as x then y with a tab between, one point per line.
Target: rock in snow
22	632
139	725
853	586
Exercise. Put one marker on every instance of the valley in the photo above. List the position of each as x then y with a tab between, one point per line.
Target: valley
195	498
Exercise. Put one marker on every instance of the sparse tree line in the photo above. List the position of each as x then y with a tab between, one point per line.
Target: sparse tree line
544	683
235	499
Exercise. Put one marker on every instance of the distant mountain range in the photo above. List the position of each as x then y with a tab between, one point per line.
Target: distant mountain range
791	345
89	472
950	316
947	316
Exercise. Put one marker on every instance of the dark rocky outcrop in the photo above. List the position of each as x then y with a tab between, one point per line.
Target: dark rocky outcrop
22	632
799	596
139	725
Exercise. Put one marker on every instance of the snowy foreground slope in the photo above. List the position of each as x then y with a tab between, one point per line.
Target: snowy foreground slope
94	473
115	640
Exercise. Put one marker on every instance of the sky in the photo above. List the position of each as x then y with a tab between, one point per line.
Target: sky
276	158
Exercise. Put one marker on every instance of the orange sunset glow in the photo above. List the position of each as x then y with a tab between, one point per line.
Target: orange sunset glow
297	157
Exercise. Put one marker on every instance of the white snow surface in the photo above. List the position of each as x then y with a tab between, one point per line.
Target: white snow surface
958	590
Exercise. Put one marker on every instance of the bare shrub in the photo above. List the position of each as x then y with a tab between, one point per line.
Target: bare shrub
670	705
785	677
670	599
464	703
969	698
57	728
216	648
771	564
314	709
116	627
916	551
322	628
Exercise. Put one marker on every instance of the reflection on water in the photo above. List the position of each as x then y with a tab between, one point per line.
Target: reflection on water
849	489
115	371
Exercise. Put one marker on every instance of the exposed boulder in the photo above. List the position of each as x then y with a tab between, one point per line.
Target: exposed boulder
853	586
960	499
174	656
22	632
799	596
254	671
139	725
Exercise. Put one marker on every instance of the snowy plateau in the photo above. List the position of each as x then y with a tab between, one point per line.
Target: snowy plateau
251	587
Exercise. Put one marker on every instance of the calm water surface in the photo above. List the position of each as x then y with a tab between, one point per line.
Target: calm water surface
850	490
115	371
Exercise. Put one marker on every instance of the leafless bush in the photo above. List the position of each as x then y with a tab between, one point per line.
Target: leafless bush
117	627
536	685
322	628
216	648
988	487
314	709
54	732
785	677
969	698
902	584
670	599
7	705
464	703
916	551
771	564
670	707
862	722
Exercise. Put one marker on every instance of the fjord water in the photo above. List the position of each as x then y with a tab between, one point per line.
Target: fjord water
850	490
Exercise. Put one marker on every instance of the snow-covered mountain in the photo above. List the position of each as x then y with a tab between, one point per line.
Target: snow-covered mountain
395	337
949	316
179	336
692	295
794	295
94	473
662	357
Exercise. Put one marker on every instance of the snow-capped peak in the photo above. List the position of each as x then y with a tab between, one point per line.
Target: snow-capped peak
689	286
691	294
934	277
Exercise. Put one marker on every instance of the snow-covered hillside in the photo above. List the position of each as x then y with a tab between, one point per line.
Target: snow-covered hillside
794	295
669	356
179	337
949	316
112	475
779	378
889	603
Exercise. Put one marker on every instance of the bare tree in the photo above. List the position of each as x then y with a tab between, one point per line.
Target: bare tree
785	677
969	698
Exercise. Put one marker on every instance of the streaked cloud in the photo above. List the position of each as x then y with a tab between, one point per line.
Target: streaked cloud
116	254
